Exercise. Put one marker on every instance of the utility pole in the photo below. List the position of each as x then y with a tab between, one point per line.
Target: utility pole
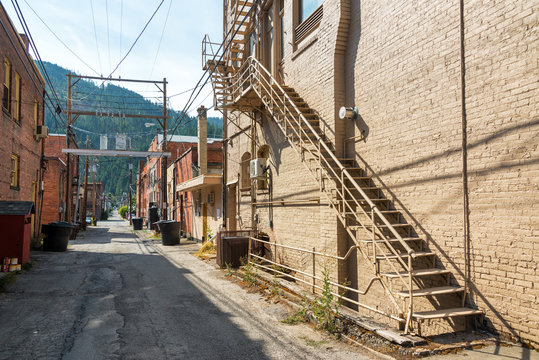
164	158
69	184
85	195
94	189
130	181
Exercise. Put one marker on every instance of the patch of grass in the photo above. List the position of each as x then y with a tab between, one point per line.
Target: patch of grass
296	318
314	343
206	250
7	279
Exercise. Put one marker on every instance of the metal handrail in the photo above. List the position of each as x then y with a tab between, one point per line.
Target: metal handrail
258	78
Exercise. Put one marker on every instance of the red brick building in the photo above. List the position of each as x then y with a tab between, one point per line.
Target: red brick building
196	194
21	123
149	178
54	179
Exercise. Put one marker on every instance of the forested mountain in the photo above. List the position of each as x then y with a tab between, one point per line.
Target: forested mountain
109	98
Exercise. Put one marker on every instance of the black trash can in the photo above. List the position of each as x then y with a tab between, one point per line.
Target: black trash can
137	223
57	235
153	217
170	231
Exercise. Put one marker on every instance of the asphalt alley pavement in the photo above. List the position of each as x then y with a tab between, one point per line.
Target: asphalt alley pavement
114	296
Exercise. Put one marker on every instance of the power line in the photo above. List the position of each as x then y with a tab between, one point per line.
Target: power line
161	38
60	40
36	52
95	36
138	37
108	29
180	118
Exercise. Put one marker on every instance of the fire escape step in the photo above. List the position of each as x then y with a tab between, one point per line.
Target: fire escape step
403	255
441	290
446	313
381	241
418	273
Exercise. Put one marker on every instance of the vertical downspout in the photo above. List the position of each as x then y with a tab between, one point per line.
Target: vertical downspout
224	145
223	188
465	195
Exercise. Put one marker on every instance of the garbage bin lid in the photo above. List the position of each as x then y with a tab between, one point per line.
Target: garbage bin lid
165	222
61	224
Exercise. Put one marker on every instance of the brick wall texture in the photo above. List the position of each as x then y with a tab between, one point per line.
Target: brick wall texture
18	136
399	63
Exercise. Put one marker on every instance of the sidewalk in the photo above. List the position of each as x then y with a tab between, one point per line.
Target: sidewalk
502	351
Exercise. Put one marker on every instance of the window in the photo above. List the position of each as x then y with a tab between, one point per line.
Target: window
245	175
263	153
36	112
307	7
15	171
307	18
17	101
252	44
6	97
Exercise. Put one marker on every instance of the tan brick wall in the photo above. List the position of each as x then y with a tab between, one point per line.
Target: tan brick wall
401	68
404	76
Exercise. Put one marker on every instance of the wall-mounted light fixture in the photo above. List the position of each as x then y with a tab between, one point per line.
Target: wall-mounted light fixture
350	113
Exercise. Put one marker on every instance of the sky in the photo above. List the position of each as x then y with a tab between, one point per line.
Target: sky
170	47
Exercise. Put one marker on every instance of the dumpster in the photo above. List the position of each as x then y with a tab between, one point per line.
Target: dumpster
232	246
57	235
137	223
16	226
170	231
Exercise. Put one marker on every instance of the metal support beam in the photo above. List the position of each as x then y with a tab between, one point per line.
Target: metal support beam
116	153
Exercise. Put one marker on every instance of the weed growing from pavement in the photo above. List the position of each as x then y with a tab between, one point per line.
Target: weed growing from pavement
324	307
249	271
228	270
275	288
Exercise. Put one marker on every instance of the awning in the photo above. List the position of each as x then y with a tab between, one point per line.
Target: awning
199	182
232	182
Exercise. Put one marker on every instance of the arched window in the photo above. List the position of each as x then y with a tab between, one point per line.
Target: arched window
245	176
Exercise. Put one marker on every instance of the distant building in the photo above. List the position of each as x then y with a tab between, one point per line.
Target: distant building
21	124
149	178
198	189
54	180
95	193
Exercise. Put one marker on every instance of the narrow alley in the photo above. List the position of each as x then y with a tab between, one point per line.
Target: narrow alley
113	296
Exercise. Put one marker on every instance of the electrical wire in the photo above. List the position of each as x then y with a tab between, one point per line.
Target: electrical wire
108	30
60	40
180	118
38	56
138	37
95	36
160	39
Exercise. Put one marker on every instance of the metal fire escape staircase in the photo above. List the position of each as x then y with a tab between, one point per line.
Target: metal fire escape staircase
405	269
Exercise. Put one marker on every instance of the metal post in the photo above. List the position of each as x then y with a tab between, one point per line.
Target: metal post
69	195
164	158
84	205
130	181
314	270
94	188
